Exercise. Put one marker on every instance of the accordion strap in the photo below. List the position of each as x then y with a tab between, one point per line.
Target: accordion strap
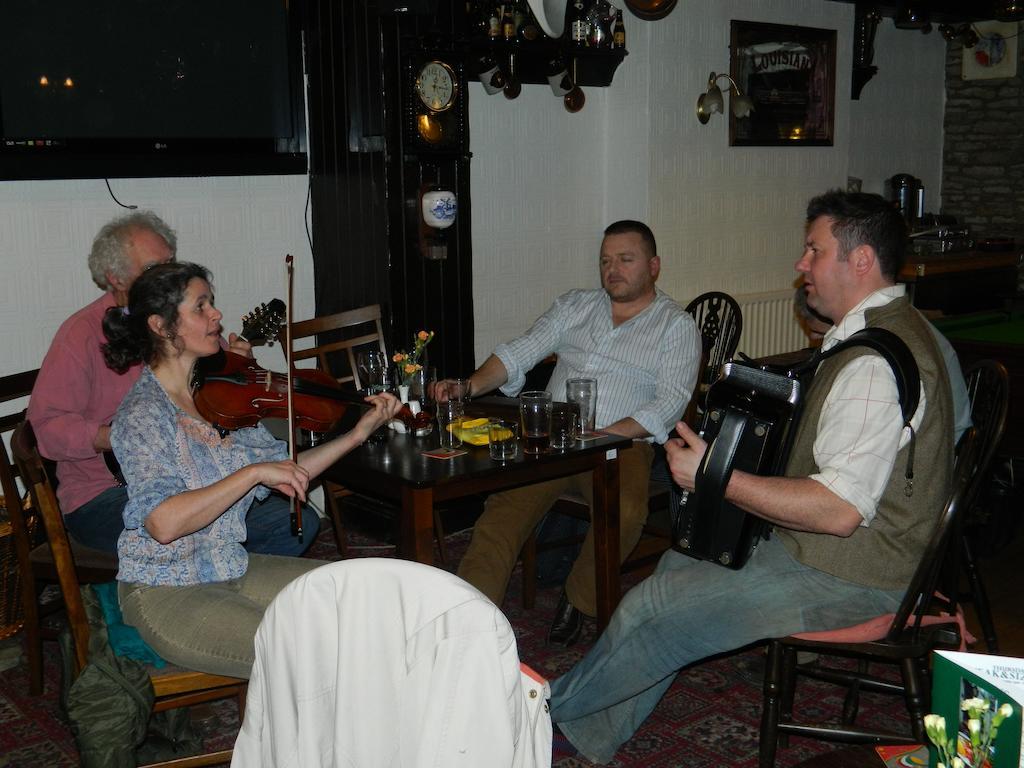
904	368
716	467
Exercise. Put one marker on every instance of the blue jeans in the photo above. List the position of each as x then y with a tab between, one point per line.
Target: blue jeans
686	611
99	521
98	524
268	523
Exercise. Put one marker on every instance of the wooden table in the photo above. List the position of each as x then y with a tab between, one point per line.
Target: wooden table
958	282
395	469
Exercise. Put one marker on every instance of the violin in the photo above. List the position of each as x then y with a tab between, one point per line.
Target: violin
232	391
235	392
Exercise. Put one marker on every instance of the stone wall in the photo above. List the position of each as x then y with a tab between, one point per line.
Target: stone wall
983	155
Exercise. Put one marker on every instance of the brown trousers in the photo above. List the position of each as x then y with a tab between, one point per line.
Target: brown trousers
509	517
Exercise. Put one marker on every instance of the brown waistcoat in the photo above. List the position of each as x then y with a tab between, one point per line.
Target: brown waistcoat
885	553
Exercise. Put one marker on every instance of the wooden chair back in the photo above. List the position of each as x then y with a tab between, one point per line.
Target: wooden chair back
24	526
339	338
44	499
988	388
920	594
720	322
173	687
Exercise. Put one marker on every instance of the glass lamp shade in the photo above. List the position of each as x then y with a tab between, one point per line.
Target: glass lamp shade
713	101
741	104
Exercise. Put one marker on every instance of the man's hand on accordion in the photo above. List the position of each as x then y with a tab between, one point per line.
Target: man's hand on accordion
684	454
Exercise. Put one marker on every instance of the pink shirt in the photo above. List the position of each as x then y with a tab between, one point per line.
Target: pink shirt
74	395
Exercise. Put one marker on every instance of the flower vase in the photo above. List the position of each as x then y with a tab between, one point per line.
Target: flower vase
403	393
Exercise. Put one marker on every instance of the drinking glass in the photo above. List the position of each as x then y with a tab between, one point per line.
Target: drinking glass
421	384
449	419
564	420
374	367
502	442
458	389
535	416
583	393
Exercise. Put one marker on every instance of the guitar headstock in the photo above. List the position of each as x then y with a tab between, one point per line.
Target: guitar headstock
264	323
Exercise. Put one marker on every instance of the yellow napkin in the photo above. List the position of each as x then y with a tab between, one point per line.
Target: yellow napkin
472	431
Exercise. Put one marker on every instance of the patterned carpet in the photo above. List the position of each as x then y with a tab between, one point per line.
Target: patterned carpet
709	717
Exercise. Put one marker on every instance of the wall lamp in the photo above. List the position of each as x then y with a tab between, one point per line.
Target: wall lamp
711	100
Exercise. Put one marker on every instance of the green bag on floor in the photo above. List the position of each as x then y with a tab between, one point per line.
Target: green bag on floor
110	705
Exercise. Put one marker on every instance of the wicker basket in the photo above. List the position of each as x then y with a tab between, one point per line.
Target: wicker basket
12	612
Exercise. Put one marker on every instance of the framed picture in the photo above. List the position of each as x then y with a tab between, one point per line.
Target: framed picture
995	53
789	73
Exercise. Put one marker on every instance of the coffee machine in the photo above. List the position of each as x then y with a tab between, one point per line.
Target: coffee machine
907	193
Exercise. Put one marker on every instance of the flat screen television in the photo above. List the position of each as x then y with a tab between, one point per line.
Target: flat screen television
134	88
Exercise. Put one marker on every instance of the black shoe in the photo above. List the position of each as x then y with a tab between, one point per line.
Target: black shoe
567	625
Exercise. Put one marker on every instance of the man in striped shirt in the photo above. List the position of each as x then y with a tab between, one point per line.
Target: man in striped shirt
644	350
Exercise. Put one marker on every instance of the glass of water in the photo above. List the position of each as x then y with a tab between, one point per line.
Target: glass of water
583	393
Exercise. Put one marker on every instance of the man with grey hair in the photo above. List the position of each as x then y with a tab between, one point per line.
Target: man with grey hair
76	395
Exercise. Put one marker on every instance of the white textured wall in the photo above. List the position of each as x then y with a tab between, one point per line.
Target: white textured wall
546	182
239	227
896	125
544	185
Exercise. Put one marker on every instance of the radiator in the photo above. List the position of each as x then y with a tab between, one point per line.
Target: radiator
769	324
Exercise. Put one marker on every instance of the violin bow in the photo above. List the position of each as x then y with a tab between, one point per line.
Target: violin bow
289	262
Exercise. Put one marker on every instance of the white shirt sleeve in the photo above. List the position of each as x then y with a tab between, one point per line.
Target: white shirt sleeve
860	431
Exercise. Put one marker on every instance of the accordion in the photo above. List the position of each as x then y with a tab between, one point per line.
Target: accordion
750	418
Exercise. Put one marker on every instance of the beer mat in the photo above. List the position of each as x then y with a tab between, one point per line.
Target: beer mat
443	453
591	436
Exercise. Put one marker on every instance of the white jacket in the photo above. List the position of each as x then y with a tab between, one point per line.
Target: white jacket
380	662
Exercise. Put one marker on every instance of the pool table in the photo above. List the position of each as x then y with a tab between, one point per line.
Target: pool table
1000	336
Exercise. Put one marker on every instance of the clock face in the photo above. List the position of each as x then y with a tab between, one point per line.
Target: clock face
435	85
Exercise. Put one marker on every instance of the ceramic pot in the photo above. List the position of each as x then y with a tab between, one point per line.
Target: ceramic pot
439	208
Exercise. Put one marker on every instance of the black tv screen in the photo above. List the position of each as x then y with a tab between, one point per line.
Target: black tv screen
118	88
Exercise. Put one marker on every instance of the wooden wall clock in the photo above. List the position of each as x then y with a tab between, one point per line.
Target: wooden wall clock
435	105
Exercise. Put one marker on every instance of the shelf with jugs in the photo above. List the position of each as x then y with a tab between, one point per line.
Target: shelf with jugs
516	42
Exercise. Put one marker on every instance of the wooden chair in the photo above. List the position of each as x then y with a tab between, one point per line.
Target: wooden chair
720	322
906	640
340	337
173	686
988	387
36	567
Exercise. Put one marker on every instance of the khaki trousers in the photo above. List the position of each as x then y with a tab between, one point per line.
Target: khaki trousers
211	627
509	517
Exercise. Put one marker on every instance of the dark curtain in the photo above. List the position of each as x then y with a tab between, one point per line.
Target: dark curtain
366	176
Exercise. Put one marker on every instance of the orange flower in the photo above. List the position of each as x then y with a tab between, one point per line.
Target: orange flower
398	357
424	336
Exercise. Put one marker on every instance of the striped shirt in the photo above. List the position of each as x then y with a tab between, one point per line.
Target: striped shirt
645	368
861	425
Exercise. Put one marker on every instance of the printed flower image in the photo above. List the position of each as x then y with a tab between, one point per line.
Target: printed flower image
970	750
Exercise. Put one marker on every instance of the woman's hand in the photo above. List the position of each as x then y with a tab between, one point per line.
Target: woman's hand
385	407
239	346
684	454
285	476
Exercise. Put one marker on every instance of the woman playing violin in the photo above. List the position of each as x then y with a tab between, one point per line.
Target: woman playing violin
186	582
